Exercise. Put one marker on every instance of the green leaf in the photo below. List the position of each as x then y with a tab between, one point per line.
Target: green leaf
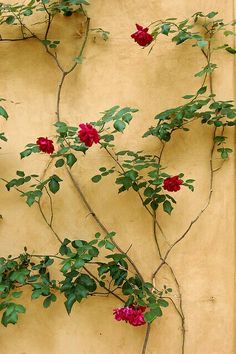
131	174
165	29
109	246
10	20
219	139
79	263
3	112
2	137
25	153
54	185
162	302
187	97
231	50
167	207
212	14
102	269
152	314
27	12
225	152
202	43
127	288
190	180
20	173
17	294
71	159
228	33
70	302
96	178
59	163
119	125
202	90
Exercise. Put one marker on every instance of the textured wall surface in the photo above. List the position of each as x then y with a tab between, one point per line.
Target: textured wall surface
120	72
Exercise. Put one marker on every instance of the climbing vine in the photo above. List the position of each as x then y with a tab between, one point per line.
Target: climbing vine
100	266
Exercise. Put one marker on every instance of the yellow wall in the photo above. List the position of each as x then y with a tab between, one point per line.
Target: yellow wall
118	71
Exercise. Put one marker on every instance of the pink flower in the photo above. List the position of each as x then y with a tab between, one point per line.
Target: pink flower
132	314
172	184
45	145
142	37
88	134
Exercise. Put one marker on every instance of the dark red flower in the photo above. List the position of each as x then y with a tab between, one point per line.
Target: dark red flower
132	314
88	134
142	37
45	145
172	184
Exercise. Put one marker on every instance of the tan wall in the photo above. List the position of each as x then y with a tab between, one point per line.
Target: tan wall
118	71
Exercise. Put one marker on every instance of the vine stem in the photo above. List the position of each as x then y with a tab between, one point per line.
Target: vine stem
108	290
198	215
146	338
98	221
65	73
49	223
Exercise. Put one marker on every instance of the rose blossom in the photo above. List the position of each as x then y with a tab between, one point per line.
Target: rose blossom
45	145
132	314
88	134
142	37
172	184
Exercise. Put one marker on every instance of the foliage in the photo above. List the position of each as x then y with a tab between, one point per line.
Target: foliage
89	267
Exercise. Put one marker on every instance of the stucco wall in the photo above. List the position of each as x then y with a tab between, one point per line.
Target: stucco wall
120	72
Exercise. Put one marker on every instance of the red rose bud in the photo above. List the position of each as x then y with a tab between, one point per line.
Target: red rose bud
142	37
88	134
172	184
45	145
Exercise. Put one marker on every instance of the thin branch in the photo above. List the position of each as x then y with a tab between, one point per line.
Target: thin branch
51	206
198	215
15	39
59	96
48	223
146	338
98	281
155	234
98	221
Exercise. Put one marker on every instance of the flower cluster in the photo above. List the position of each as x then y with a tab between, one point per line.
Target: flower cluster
87	135
172	184
142	37
132	314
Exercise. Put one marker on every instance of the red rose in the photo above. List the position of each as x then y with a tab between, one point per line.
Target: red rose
134	315
88	134
172	184
45	145
142	37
